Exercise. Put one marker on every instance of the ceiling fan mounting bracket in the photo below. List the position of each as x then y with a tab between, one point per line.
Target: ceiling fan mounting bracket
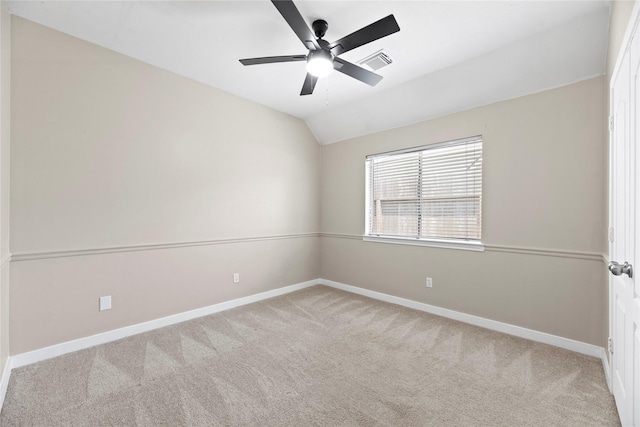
320	27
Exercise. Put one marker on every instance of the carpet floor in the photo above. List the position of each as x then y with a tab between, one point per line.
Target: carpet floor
315	357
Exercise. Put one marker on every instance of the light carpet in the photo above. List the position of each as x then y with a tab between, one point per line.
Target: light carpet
316	357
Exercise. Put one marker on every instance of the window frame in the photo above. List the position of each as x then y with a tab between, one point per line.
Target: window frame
447	243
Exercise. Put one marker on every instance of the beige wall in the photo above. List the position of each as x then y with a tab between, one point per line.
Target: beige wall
111	152
56	300
5	87
542	204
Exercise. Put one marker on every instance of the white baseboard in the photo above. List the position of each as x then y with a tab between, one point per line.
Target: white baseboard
4	381
45	353
530	334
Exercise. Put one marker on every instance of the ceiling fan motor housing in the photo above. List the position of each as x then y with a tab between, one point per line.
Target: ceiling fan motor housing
325	54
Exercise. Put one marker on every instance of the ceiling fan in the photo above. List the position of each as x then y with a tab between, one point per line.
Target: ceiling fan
322	57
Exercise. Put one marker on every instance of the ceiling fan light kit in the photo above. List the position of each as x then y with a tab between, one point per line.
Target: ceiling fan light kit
322	57
320	63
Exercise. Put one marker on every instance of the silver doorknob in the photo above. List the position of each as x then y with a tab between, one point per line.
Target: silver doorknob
617	269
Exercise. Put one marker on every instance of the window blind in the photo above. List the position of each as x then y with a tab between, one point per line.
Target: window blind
429	192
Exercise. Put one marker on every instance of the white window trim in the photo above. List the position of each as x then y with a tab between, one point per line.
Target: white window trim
474	245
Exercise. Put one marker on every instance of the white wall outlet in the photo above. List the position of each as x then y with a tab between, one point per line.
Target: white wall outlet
105	303
429	282
236	277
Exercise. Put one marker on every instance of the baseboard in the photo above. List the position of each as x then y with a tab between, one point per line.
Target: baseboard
530	334
4	381
45	353
606	367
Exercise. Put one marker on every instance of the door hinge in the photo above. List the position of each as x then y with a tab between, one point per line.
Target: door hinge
611	123
610	345
611	234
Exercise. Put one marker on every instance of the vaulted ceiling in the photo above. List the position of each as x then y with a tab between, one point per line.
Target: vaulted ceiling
448	56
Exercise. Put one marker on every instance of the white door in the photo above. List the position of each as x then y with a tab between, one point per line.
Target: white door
635	188
622	246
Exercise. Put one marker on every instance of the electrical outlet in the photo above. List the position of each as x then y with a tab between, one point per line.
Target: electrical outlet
236	277
105	303
429	282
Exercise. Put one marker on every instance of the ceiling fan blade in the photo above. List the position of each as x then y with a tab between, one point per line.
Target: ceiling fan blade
371	32
290	13
356	72
308	85
273	59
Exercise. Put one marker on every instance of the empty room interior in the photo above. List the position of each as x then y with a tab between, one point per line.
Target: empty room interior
319	213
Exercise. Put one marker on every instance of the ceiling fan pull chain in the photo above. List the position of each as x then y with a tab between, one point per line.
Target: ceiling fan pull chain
327	100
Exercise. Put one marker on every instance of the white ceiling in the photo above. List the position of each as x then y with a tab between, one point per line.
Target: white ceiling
448	56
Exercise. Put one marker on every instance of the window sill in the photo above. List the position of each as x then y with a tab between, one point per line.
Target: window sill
433	243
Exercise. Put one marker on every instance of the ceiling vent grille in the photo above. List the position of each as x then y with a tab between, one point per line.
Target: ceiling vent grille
377	60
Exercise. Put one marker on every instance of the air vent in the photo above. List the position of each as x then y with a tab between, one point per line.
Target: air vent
377	60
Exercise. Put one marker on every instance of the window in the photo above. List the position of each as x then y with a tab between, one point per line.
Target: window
429	195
